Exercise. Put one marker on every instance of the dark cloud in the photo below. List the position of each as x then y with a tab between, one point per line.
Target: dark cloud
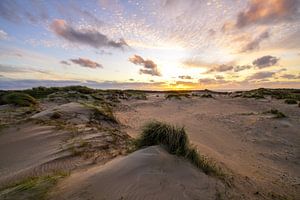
255	43
261	75
185	77
211	81
149	66
88	37
242	67
221	68
84	62
267	11
265	61
65	62
219	77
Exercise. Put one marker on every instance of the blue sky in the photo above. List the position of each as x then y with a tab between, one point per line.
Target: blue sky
159	44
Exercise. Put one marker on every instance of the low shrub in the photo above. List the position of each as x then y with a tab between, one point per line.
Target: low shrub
290	101
19	99
177	96
276	112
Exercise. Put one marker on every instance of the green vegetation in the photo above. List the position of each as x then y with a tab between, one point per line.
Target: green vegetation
206	96
274	93
276	113
35	188
19	99
177	95
102	112
176	141
290	101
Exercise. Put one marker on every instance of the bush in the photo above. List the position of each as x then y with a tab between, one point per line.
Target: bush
19	99
290	101
276	112
176	141
177	96
206	96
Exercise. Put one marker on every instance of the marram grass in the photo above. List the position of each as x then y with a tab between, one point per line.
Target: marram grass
176	141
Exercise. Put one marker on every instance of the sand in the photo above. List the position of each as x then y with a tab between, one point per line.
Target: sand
259	153
262	153
150	173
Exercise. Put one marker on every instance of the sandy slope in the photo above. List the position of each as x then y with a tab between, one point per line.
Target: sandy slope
150	173
261	152
30	149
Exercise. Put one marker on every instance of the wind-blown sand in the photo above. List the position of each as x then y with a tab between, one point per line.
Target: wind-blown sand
150	173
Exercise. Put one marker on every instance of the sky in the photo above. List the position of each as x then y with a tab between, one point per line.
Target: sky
150	45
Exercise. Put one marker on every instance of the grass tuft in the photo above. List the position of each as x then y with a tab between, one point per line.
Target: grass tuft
176	141
33	188
290	101
19	99
177	95
102	112
276	113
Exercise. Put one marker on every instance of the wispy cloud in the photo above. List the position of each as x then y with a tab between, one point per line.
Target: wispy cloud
255	43
261	75
3	35
84	62
92	38
64	62
149	66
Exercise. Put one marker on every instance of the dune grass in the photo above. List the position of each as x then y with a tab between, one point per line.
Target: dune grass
177	95
33	188
290	101
276	113
102	112
19	99
176	141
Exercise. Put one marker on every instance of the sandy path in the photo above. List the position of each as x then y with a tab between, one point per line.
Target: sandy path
150	173
260	150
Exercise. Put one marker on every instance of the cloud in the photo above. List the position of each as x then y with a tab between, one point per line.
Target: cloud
65	62
219	77
290	76
242	67
211	81
9	84
221	68
92	38
255	43
261	75
185	77
3	35
11	69
194	62
267	11
84	62
149	66
265	61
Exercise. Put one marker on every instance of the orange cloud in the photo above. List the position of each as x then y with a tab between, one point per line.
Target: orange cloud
267	11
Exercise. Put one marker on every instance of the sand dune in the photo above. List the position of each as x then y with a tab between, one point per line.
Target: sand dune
261	152
150	173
